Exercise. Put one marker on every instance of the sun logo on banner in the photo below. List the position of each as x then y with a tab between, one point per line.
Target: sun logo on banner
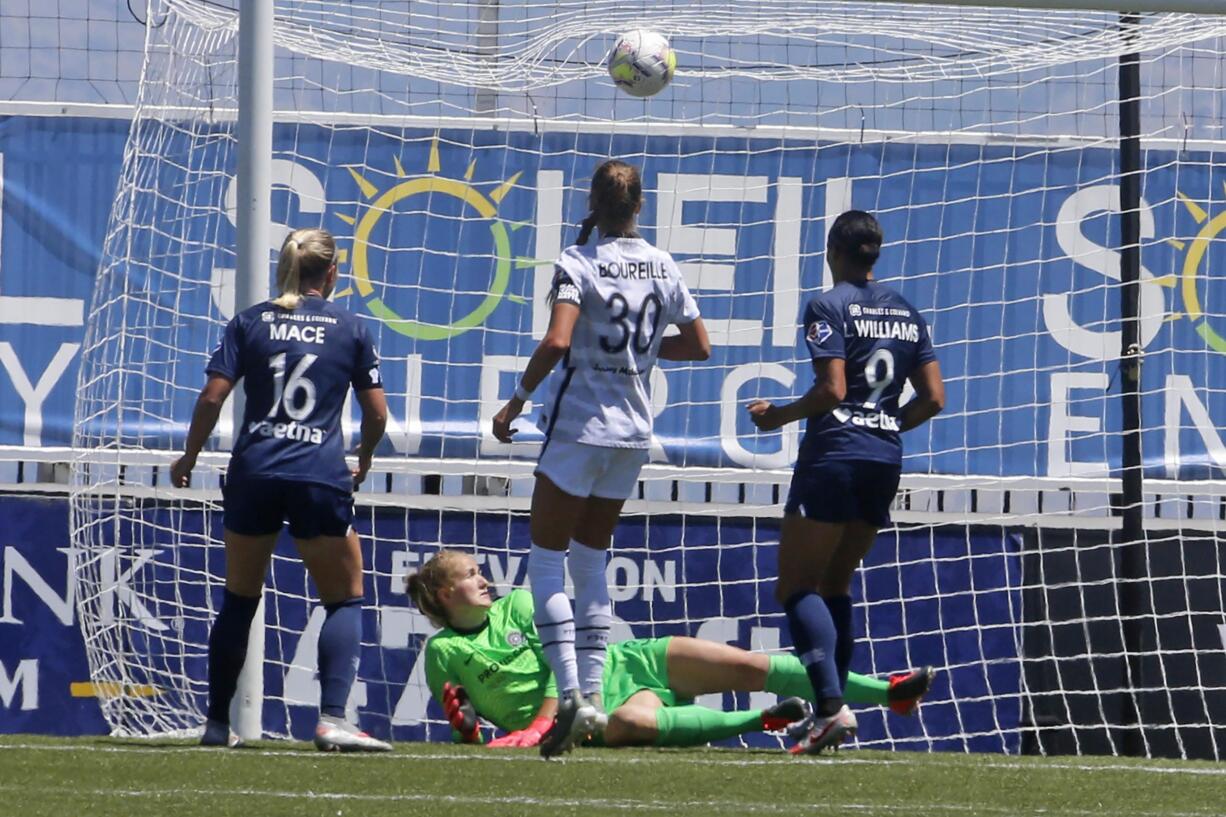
1196	257
381	203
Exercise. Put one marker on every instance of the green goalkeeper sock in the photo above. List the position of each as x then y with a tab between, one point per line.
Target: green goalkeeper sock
695	725
787	677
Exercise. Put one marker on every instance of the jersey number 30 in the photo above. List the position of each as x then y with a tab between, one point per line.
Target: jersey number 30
641	332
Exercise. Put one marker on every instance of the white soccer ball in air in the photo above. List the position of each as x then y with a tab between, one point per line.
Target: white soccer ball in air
642	62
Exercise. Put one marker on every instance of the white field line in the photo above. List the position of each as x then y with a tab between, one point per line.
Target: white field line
594	804
847	758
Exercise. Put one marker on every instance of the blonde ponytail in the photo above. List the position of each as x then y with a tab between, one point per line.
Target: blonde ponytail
308	254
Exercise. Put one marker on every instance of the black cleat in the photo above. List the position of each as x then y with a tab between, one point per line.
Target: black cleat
219	734
576	720
908	688
785	713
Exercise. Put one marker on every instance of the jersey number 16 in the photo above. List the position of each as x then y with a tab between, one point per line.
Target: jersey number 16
297	395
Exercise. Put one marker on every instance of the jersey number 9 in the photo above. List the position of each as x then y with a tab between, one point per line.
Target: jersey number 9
878	380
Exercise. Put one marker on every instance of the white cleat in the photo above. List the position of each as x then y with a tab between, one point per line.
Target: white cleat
602	717
336	735
827	732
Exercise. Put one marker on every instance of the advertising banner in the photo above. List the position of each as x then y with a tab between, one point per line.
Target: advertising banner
448	238
696	576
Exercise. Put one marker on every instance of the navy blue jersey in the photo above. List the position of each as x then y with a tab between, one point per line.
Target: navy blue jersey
297	367
883	340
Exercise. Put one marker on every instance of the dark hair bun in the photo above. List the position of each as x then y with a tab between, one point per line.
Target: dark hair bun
857	236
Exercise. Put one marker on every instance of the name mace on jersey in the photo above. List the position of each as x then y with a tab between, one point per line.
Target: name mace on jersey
292	331
887	330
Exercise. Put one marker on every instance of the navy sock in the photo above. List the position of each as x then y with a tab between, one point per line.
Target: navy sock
813	641
840	614
340	642
228	651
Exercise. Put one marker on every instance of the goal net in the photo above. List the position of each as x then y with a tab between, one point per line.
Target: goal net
448	146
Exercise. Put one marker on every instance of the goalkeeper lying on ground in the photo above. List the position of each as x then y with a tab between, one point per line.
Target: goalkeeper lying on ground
487	661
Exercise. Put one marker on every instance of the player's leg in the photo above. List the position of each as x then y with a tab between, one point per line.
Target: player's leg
634	722
246	566
873	486
332	553
555	514
593	609
253	517
335	566
805	549
698	667
593	535
644	720
819	500
835	588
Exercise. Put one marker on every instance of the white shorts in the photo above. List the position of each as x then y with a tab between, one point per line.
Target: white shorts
592	470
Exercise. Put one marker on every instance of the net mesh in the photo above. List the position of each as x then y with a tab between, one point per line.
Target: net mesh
448	146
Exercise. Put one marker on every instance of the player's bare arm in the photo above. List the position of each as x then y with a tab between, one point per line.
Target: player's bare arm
829	390
204	419
552	348
929	398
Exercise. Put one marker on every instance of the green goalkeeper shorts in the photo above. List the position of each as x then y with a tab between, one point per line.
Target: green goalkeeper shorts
637	665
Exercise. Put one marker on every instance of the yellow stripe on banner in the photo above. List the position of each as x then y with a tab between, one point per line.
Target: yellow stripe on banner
111	689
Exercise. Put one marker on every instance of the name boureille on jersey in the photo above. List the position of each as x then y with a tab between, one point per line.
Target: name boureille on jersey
638	270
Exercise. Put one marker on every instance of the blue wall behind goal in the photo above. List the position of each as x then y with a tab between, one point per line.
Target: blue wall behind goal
1002	246
949	597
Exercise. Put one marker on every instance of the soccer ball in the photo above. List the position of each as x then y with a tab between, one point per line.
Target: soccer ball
642	62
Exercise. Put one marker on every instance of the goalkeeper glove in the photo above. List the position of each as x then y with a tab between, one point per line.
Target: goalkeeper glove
529	736
460	712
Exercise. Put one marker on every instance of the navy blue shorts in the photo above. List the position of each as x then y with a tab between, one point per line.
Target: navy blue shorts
259	507
838	491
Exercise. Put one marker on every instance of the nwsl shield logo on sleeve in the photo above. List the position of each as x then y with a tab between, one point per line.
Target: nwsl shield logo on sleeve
819	331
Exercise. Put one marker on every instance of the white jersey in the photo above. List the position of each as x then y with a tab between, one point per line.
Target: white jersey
627	292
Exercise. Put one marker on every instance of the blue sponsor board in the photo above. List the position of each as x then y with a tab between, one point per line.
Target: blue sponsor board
448	237
44	675
697	576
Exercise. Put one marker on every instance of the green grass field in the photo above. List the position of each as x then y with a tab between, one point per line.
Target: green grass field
101	777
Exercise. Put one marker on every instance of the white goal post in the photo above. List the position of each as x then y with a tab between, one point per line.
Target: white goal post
449	146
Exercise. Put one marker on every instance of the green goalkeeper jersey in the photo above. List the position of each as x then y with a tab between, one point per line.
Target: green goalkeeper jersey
501	665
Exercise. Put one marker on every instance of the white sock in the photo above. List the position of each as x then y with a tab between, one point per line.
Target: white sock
593	614
555	621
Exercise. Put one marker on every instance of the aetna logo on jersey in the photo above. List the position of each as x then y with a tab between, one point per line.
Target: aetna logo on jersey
867	419
638	270
286	431
887	330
